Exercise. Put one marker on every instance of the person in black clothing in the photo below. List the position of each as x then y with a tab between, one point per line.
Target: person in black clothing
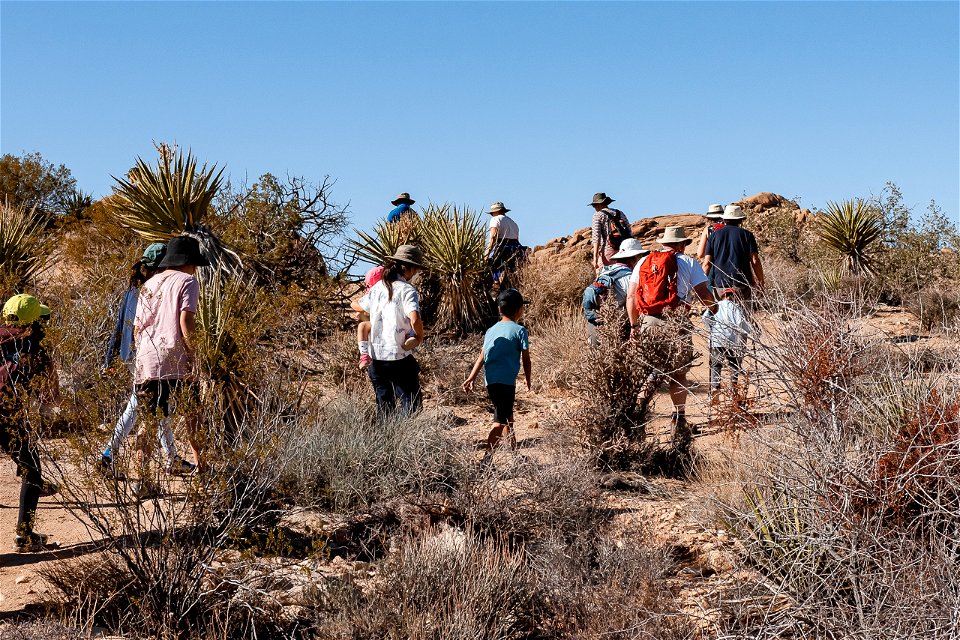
732	257
26	366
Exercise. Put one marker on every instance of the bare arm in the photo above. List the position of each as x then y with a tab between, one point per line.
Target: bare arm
492	239
758	278
525	359
632	312
188	327
474	372
702	247
707	263
703	292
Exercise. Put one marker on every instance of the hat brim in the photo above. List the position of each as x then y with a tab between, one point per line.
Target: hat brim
499	211
182	261
716	215
44	310
604	203
629	253
663	240
405	261
740	217
400	201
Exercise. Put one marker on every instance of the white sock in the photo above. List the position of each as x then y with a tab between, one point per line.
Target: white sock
364	346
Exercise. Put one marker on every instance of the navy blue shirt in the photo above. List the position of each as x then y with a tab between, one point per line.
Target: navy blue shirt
730	249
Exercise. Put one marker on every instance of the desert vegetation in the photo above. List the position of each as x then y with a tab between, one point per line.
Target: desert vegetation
821	500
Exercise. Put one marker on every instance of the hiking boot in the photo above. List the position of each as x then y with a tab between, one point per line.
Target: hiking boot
181	467
33	543
144	490
48	489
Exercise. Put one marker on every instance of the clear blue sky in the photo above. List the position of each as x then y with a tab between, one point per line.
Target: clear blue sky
666	107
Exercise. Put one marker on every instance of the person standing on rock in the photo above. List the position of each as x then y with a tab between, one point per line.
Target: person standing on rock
714	221
609	229
396	329
663	281
401	205
613	279
732	257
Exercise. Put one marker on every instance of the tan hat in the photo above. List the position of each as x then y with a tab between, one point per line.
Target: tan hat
408	254
402	198
715	211
629	248
672	235
600	198
733	212
497	207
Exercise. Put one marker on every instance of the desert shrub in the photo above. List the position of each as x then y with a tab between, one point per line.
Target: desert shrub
554	289
853	229
558	344
348	458
39	630
444	365
24	248
615	384
937	306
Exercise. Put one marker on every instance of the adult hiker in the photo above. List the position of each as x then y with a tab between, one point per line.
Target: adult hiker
121	345
401	205
714	221
663	281
613	279
26	368
503	250
732	258
164	334
609	229
396	329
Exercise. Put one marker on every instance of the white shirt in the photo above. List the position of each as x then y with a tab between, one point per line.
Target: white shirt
689	275
506	228
390	324
728	327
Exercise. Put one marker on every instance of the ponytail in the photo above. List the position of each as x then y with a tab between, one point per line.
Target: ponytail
391	271
137	276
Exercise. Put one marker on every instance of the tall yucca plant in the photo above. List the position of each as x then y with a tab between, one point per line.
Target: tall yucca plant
172	198
24	247
383	242
453	241
852	229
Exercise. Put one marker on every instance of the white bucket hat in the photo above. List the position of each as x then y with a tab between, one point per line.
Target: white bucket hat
629	248
715	211
497	207
672	235
733	212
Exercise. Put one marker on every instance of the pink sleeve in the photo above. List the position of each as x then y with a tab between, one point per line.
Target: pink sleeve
190	295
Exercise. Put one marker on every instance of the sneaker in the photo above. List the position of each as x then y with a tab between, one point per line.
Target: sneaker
180	467
106	469
365	361
144	490
48	489
33	543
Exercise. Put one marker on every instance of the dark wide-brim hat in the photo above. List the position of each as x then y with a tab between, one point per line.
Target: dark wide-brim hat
408	254
600	198
182	251
402	198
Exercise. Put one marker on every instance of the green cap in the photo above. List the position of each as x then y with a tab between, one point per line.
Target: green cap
24	309
153	254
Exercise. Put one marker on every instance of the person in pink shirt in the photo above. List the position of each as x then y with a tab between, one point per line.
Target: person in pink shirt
164	332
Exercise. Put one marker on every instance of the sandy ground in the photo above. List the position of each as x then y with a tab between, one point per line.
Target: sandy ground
669	512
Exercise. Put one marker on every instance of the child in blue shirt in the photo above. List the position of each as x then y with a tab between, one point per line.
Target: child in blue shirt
505	346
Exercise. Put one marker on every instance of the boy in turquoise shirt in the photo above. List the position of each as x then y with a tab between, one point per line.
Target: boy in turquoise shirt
505	346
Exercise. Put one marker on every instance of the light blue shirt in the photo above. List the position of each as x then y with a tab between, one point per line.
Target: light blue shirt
502	345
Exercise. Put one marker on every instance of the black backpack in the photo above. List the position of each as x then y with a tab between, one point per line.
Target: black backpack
618	229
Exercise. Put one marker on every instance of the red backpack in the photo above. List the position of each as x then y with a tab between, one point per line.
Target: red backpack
657	288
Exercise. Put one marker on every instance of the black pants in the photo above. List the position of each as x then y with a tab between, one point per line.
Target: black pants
396	379
719	356
16	441
503	397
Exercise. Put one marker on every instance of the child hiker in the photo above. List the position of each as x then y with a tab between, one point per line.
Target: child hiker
363	327
121	345
729	330
505	346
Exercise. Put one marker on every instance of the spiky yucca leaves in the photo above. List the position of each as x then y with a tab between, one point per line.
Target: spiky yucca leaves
24	248
226	315
376	247
852	229
174	197
453	241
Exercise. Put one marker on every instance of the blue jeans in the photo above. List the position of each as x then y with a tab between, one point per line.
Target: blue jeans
396	379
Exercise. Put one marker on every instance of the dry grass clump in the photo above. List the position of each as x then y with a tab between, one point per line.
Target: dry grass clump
553	289
348	458
39	630
557	344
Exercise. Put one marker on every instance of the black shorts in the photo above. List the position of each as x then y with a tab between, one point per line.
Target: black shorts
502	396
154	395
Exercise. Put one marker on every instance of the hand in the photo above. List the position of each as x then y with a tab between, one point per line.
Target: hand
468	385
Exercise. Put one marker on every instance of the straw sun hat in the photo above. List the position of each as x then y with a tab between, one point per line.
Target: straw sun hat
673	235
